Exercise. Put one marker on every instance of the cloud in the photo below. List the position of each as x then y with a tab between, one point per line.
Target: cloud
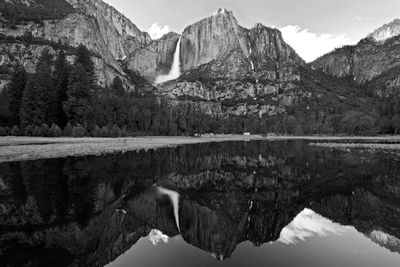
311	45
156	31
359	18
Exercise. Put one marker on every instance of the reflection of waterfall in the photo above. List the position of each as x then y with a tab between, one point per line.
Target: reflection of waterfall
175	71
174	197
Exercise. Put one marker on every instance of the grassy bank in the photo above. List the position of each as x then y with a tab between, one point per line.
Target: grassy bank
31	148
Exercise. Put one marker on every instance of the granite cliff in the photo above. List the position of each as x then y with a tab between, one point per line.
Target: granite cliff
116	43
373	58
247	71
227	70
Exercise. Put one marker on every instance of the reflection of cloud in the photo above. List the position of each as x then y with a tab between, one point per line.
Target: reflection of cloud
308	224
156	236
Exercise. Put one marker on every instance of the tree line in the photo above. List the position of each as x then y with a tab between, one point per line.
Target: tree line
63	99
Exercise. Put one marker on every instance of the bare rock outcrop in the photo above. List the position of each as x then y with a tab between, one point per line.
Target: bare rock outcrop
212	38
371	58
246	71
154	59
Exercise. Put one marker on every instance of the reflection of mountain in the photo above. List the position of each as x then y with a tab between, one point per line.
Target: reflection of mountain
90	210
388	241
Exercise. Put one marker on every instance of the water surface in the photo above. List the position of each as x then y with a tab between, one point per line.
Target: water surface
259	203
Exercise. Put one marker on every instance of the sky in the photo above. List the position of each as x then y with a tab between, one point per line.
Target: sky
311	27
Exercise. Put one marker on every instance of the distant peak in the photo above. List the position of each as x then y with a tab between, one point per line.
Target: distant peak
386	32
221	11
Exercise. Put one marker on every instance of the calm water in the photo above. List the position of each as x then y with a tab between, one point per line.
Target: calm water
226	204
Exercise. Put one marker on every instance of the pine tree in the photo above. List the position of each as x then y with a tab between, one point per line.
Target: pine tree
39	95
46	98
83	57
45	58
118	87
396	123
16	91
77	107
28	104
60	77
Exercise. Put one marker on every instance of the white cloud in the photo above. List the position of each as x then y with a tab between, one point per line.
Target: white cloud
156	31
359	18
311	45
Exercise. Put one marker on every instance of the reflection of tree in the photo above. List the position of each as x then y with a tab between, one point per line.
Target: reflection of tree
82	189
46	184
229	193
17	184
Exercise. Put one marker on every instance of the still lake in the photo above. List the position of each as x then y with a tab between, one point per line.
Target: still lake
258	203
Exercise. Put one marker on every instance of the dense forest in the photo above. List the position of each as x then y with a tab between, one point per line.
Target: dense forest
63	99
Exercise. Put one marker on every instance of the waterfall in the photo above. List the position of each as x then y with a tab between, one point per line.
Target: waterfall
175	71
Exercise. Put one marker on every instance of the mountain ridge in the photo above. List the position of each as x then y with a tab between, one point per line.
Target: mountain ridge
227	70
386	32
370	58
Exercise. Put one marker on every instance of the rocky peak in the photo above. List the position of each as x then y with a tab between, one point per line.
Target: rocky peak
372	57
259	25
267	44
222	11
386	32
212	38
101	10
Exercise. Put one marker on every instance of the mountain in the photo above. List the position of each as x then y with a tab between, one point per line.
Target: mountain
116	43
212	38
386	32
221	39
373	58
228	69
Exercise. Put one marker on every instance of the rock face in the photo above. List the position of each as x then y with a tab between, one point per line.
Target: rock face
221	38
154	59
127	43
115	41
212	38
386	32
227	69
247	71
114	27
364	62
371	58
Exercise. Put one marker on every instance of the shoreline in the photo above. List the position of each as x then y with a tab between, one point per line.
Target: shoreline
35	148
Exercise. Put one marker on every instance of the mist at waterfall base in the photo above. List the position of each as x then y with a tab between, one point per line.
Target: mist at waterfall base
175	71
